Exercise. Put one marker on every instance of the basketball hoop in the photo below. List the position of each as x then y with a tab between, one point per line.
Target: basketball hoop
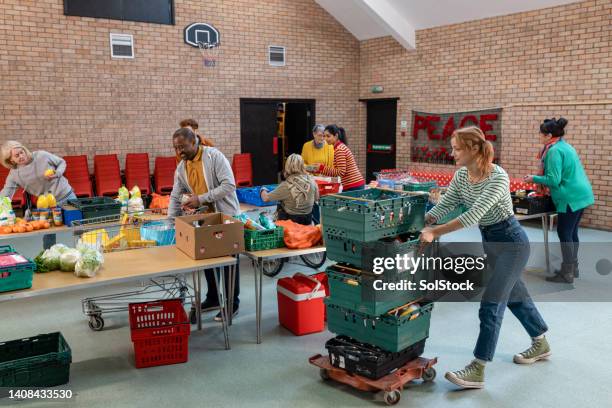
210	53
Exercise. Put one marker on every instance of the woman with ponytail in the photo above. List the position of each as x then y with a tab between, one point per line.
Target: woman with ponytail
345	165
484	188
563	177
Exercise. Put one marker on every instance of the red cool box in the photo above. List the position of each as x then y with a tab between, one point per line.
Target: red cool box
300	304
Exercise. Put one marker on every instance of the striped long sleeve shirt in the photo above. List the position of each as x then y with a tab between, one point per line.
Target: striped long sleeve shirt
345	167
488	201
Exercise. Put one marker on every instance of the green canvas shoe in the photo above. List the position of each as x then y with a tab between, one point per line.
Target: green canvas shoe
539	350
472	376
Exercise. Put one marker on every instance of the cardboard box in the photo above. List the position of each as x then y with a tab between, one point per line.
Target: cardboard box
217	235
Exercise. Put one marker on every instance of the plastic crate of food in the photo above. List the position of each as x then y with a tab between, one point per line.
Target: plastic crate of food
326	188
420	186
389	332
361	254
96	207
368	360
526	205
160	332
161	232
39	361
355	290
460	209
16	271
369	215
258	240
251	195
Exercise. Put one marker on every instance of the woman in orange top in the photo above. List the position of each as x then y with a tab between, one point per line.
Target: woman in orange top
345	165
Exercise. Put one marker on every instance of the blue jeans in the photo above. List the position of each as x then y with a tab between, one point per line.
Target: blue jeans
507	249
567	229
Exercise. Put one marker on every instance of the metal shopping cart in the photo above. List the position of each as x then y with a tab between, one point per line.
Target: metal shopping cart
129	232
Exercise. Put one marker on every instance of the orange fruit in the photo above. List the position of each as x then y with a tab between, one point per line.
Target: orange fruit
29	227
46	225
6	230
21	229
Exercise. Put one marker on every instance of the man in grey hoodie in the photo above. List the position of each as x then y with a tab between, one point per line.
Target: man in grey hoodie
204	181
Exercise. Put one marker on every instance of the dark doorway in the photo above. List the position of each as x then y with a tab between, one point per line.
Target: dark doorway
380	136
271	130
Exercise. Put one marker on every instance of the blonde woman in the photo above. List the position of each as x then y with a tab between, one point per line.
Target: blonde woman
484	188
296	195
29	170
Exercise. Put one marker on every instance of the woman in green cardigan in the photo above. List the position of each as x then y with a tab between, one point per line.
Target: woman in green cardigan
562	173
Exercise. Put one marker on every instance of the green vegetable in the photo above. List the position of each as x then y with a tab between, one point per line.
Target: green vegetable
41	267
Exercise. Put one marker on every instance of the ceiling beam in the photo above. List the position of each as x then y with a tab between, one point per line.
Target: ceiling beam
392	20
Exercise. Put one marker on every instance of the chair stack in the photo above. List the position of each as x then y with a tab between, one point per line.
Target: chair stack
107	174
378	330
77	173
137	172
163	174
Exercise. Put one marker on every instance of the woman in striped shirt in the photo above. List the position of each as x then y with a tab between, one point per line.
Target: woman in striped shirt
484	188
345	166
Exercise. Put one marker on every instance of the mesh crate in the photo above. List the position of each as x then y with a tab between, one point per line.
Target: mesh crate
96	206
452	214
16	271
389	332
251	195
258	240
39	361
326	188
420	186
161	232
160	332
368	215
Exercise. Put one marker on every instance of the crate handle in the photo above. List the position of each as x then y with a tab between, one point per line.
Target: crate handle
317	286
350	198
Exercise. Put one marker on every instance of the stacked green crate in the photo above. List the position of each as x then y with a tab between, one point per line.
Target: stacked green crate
360	228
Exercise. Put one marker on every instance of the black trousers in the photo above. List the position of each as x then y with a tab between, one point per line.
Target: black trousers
211	295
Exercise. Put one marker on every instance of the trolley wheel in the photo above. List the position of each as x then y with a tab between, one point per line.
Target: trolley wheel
392	397
429	374
314	261
96	323
324	374
273	267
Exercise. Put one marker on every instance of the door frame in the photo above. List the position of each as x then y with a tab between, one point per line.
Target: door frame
389	99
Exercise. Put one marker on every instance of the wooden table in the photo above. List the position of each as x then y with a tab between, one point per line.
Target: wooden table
131	265
258	257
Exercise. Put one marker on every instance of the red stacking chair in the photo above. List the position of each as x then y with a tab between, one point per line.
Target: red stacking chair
243	170
19	198
107	174
137	172
77	173
163	175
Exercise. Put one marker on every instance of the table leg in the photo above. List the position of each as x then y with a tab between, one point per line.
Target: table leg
231	289
258	295
546	249
198	296
219	282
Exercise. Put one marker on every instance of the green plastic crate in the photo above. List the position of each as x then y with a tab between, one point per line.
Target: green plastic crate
40	361
387	332
355	290
423	186
452	215
264	239
362	254
96	207
15	277
380	214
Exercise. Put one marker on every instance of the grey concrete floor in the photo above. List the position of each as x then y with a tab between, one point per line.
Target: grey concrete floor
276	373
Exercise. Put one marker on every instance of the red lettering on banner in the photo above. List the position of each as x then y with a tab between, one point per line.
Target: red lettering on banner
485	127
420	123
431	127
471	118
449	128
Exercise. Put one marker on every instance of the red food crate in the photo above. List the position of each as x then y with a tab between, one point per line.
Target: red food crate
160	332
327	188
300	304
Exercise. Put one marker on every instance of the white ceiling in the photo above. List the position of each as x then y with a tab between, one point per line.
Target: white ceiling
367	19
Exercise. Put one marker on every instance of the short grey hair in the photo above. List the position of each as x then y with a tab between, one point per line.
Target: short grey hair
318	128
294	165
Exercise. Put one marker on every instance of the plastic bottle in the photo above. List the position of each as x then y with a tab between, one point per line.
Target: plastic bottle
11	218
266	221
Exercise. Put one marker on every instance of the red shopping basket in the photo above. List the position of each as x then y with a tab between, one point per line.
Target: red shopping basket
160	332
327	188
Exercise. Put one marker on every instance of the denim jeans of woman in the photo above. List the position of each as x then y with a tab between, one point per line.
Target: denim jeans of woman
507	249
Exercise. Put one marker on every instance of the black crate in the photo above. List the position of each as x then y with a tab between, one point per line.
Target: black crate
368	360
525	205
96	207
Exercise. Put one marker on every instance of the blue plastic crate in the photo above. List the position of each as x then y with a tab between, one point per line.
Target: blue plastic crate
250	195
161	232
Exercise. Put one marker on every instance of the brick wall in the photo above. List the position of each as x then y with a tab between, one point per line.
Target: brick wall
62	92
549	56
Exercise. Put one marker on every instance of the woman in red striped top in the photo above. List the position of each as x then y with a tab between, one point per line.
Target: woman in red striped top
345	166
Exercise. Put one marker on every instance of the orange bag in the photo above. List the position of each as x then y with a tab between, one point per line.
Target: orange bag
160	202
298	236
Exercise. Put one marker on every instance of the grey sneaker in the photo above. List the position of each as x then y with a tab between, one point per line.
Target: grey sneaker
472	376
539	350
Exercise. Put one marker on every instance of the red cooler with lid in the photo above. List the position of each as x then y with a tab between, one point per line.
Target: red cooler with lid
300	304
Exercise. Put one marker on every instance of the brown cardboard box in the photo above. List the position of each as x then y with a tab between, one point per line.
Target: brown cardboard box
212	239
